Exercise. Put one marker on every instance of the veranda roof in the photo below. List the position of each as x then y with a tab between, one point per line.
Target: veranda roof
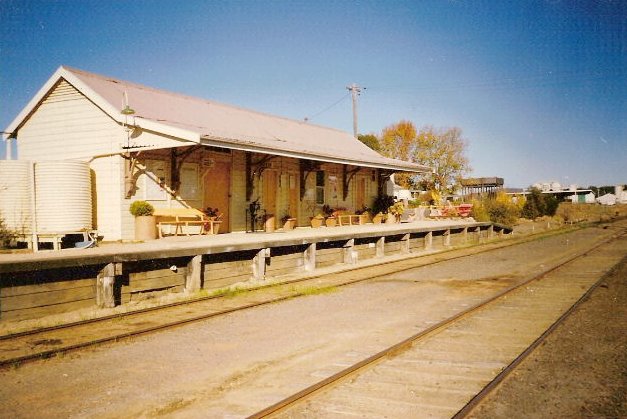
210	123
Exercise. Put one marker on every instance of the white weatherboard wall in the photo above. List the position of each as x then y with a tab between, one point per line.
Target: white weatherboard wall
66	125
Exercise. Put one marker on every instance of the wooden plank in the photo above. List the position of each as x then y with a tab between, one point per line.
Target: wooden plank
157	283
14	290
37	312
219	283
26	301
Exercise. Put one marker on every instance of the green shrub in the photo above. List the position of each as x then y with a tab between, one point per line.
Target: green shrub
538	204
5	234
382	203
141	208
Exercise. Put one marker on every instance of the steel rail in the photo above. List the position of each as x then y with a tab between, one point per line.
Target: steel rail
492	385
405	344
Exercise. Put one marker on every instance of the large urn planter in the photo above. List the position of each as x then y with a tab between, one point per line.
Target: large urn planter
331	221
145	227
390	219
316	222
145	221
289	224
378	218
270	223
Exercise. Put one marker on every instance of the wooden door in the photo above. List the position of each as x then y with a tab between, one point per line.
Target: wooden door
268	198
217	191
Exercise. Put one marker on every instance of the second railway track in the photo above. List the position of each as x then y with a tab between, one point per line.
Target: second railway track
446	370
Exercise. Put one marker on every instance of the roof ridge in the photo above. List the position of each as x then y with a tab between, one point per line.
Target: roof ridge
79	72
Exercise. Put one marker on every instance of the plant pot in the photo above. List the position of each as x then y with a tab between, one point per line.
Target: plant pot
289	224
391	219
377	219
270	225
331	221
316	222
145	227
216	227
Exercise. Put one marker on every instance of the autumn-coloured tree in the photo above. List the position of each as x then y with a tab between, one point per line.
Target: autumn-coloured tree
399	141
442	150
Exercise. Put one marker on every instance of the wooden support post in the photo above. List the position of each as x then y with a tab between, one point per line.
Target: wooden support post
349	252
309	258
479	237
465	234
429	241
405	244
105	283
446	238
259	263
491	232
193	278
380	250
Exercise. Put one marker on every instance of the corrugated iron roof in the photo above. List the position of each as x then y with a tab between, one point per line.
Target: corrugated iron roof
213	123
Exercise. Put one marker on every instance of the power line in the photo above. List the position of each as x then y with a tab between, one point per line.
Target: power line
309	118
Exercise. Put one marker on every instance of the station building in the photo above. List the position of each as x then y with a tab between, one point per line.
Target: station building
173	150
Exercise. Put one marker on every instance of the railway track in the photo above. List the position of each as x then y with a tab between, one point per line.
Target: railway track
447	369
46	342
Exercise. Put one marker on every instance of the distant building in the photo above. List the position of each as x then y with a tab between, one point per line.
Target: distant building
483	186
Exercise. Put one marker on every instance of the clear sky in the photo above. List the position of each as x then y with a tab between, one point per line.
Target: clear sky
539	88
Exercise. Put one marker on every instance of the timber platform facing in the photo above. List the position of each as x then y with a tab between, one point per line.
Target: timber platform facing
36	284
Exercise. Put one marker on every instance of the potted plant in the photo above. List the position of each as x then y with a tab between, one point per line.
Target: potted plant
145	221
329	214
215	216
317	220
395	211
288	222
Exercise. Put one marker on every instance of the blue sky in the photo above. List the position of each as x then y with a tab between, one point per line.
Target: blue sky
539	88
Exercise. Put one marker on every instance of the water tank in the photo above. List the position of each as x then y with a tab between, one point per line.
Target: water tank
15	195
63	196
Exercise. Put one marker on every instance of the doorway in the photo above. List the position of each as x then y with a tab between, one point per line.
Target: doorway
217	191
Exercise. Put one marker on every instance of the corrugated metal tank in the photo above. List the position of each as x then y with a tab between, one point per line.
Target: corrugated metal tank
15	195
63	196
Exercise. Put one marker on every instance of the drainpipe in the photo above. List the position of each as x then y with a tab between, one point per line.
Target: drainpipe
33	207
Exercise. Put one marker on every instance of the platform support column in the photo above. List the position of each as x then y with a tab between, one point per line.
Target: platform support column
380	248
405	244
491	232
193	278
429	240
259	263
446	238
309	258
105	284
479	238
465	235
350	256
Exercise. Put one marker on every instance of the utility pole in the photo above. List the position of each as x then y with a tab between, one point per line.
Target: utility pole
355	91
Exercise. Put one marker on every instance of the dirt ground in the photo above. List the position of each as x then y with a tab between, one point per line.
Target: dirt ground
581	369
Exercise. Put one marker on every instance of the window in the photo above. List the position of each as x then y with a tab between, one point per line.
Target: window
155	180
320	187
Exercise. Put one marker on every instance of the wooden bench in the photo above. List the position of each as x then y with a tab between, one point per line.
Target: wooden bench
182	219
350	219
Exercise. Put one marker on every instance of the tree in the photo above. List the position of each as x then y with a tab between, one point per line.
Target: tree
442	150
370	140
